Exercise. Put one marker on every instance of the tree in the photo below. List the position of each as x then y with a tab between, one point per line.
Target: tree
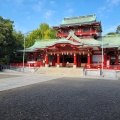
18	44
53	33
118	29
6	40
43	27
34	35
111	33
42	33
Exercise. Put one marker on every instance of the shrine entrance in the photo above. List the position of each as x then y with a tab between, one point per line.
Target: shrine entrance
67	55
68	60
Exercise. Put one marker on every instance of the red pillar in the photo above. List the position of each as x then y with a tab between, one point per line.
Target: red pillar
116	59
58	60
105	60
46	58
79	60
53	62
35	56
74	60
28	57
88	59
63	63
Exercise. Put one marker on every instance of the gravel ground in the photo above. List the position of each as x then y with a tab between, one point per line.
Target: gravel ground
63	99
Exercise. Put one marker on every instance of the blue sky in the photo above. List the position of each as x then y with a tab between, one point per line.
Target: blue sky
29	14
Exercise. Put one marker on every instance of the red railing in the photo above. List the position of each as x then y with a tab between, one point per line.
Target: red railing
99	66
62	34
37	64
92	32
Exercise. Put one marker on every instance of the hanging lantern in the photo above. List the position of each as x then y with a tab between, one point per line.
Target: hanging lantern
51	53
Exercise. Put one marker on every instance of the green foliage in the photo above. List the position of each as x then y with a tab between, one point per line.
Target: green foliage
30	39
111	33
11	41
115	33
44	27
42	33
118	29
18	45
6	40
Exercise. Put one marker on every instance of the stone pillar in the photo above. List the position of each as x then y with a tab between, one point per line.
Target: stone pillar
74	65
46	62
88	59
58	60
116	59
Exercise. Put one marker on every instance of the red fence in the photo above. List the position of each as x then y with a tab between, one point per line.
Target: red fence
99	66
36	64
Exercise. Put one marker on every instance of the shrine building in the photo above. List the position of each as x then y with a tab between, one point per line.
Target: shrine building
78	43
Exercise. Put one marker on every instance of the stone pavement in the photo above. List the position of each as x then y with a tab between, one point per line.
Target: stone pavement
13	79
17	79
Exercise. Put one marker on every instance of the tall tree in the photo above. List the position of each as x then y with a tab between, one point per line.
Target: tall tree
44	27
43	32
6	40
30	39
18	44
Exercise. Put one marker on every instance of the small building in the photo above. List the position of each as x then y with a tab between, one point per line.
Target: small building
78	42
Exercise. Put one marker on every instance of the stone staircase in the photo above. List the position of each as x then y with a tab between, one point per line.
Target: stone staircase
68	72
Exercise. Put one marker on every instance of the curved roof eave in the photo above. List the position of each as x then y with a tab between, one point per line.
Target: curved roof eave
65	41
91	42
111	46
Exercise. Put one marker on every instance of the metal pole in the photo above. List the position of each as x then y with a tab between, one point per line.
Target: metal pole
24	54
102	55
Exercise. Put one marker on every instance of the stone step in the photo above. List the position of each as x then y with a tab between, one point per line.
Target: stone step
78	72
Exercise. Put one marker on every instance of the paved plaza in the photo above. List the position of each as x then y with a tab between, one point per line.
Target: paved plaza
41	97
14	80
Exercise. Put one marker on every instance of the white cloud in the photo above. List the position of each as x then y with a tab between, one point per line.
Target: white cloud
101	10
19	27
69	4
110	4
108	29
19	2
28	17
38	6
69	11
49	13
113	2
52	2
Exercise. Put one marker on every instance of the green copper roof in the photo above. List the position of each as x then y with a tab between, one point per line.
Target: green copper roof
41	44
90	42
114	41
105	42
81	19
